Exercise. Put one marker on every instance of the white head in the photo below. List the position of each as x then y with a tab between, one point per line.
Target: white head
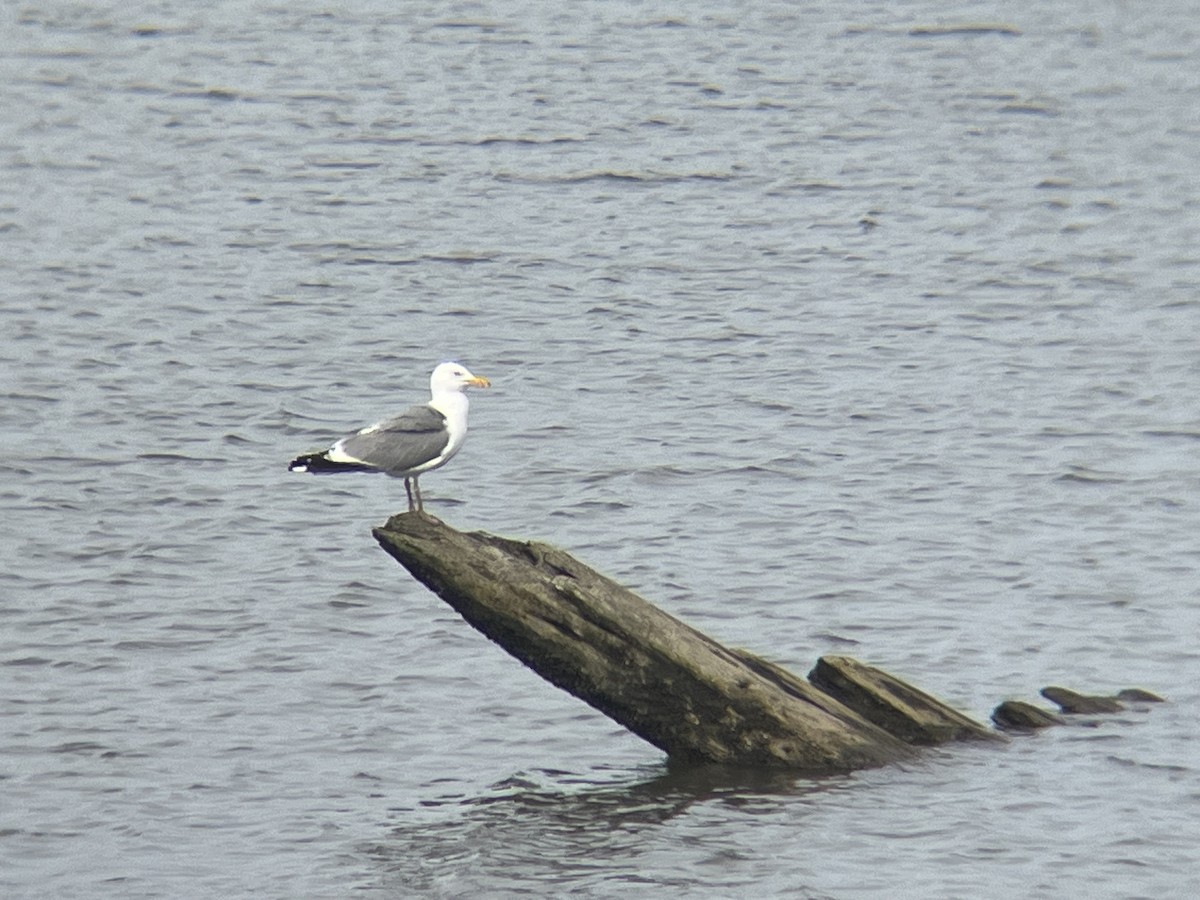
452	376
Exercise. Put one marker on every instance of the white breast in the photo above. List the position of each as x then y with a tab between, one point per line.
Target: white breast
453	405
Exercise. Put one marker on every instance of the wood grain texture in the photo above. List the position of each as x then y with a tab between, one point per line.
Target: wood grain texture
673	686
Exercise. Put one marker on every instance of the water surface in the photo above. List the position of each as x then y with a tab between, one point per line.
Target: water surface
827	331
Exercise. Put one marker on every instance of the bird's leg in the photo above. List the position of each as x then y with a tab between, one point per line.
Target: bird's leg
417	489
408	490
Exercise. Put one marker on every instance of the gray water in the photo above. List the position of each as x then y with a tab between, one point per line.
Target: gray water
826	333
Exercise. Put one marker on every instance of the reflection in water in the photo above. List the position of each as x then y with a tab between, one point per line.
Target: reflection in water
551	827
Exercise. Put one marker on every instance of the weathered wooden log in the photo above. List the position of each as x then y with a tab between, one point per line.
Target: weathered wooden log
895	706
1017	715
1072	702
676	688
1139	695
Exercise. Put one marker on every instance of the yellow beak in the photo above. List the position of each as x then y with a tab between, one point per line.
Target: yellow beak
479	381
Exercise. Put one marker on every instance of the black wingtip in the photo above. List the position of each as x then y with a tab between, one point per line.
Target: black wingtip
302	463
321	464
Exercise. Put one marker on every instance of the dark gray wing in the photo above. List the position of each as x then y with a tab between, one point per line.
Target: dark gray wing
398	445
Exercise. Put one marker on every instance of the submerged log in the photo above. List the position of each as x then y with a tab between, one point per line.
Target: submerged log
1139	695
676	688
1017	715
906	712
1072	702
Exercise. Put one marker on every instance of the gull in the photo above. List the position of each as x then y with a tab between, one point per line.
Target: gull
418	440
